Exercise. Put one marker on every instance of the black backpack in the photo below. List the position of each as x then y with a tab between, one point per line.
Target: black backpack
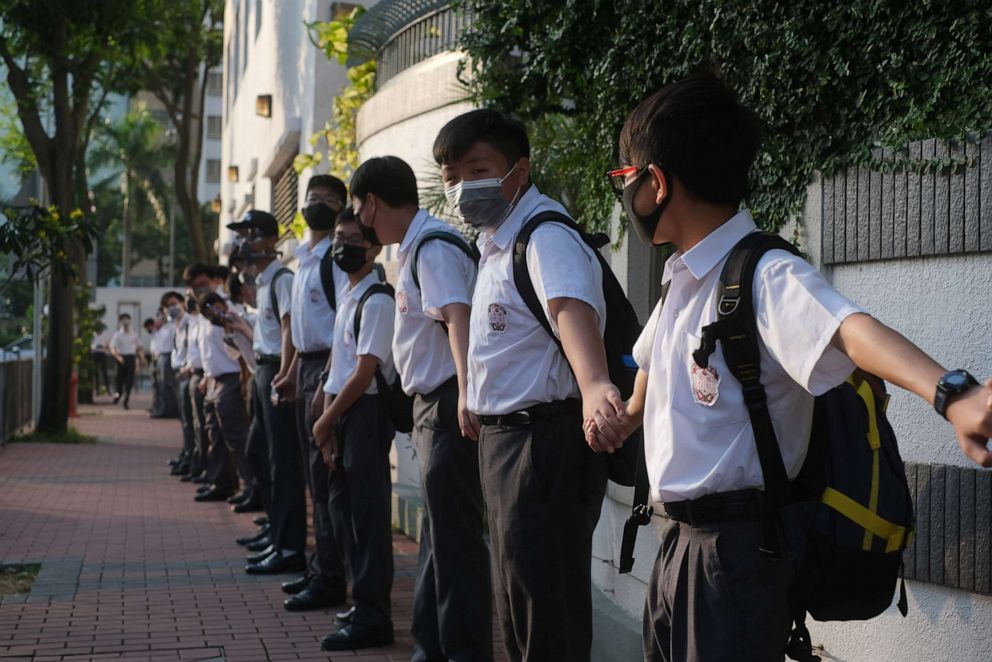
400	404
327	279
622	329
848	516
447	237
273	299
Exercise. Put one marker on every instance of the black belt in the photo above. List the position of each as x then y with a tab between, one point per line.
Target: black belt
268	359
198	372
537	412
321	354
721	507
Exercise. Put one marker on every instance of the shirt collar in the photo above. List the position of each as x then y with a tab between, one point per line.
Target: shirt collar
511	226
711	251
265	277
412	232
303	251
358	290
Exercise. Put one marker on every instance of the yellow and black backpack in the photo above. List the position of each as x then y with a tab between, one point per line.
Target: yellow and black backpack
848	516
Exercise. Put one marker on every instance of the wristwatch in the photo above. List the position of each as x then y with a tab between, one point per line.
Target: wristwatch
950	386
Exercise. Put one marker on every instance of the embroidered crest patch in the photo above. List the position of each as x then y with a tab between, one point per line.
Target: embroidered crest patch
705	385
497	318
314	295
401	303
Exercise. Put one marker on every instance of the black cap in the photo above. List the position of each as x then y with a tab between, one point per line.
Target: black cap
257	219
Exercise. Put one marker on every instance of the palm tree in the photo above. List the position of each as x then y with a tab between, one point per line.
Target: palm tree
136	150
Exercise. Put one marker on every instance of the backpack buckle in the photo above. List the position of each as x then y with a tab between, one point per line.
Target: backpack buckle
728	304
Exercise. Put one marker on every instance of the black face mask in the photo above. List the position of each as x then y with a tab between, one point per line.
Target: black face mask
319	216
645	226
349	258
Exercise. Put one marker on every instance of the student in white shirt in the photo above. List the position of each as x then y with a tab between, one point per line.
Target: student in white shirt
543	485
317	287
354	434
125	347
198	280
174	307
714	595
452	618
163	338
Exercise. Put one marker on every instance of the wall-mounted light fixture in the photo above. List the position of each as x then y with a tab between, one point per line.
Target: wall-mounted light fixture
232	173
263	105
215	205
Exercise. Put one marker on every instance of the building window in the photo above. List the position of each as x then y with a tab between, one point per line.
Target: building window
213	171
214	81
284	195
213	127
258	17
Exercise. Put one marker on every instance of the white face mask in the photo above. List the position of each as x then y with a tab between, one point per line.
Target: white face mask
480	203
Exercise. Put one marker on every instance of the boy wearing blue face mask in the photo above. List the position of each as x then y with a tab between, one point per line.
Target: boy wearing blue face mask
354	434
542	485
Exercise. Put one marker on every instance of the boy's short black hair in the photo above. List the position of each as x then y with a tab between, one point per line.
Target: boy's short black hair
120	318
388	177
171	294
348	216
698	131
506	134
331	183
148	322
220	272
195	270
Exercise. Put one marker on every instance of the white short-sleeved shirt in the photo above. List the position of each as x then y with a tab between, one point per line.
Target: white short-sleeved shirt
180	342
194	357
375	336
313	317
268	329
421	348
219	358
693	449
125	342
162	338
512	363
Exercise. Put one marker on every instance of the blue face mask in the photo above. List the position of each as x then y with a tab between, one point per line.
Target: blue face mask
480	203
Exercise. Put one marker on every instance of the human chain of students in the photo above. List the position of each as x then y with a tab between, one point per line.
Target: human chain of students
513	363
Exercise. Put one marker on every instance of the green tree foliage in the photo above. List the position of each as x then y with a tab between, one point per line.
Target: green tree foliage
829	81
89	323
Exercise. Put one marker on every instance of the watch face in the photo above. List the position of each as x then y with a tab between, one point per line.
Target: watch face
955	379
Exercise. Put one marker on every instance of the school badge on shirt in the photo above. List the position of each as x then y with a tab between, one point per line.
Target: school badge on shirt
401	303
314	295
705	385
497	318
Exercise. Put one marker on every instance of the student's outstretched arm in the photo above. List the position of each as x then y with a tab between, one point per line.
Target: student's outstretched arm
877	349
578	325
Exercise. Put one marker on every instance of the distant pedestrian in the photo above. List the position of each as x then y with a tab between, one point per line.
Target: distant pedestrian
125	346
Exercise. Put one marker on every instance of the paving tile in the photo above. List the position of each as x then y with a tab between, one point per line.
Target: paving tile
133	569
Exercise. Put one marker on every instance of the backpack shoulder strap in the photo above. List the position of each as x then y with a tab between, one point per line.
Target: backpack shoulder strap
448	238
737	331
641	510
273	299
380	271
327	280
521	275
374	288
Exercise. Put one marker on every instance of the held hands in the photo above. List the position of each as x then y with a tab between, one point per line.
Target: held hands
468	422
326	441
606	422
971	416
283	389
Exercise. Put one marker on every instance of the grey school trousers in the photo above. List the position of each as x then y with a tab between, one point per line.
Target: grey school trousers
544	490
452	616
713	595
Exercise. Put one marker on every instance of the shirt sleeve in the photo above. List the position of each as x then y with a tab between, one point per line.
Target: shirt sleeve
115	341
375	336
645	342
447	275
798	313
284	294
561	265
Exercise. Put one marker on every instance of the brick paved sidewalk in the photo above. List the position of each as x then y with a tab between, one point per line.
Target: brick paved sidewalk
133	569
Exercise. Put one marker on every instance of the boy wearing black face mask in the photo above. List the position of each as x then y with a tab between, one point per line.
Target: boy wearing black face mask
316	288
542	484
354	433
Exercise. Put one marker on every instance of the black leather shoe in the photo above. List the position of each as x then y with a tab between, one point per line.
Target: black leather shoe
201	479
315	597
259	544
176	460
260	556
252	505
264	531
239	497
344	617
261	520
277	564
353	636
203	488
213	494
294	586
186	478
179	470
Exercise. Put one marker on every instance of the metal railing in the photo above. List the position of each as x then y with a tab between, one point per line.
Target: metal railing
424	37
15	397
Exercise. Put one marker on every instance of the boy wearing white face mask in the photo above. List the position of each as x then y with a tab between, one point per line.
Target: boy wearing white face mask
543	486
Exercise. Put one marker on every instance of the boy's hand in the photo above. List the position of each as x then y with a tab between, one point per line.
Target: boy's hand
323	437
468	422
971	416
604	416
285	387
